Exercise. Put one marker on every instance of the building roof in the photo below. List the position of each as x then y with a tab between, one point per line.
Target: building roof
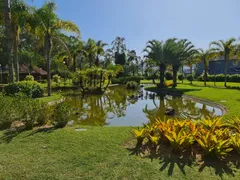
23	69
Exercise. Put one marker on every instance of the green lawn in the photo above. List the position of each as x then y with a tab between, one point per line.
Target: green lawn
101	152
94	154
54	97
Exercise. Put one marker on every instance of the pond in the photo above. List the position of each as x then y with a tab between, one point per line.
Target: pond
122	107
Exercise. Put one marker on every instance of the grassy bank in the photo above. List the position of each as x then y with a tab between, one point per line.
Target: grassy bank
97	153
54	97
228	97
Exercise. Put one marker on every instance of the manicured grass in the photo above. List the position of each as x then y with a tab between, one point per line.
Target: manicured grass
97	153
231	96
197	83
54	97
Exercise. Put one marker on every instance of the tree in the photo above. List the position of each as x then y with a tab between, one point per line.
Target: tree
119	49
47	26
91	51
205	56
100	51
225	48
182	51
76	48
8	39
19	14
157	51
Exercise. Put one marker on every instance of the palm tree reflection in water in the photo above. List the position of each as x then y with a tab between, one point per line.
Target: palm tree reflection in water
122	107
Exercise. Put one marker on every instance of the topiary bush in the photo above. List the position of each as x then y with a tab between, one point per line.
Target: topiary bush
180	77
169	76
62	114
29	78
132	85
30	88
189	77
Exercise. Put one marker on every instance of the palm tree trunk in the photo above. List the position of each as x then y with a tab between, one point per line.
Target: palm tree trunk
205	77
8	36
47	48
74	62
225	70
182	74
175	69
162	73
191	70
15	53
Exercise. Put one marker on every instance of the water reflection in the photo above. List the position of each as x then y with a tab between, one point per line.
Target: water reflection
122	107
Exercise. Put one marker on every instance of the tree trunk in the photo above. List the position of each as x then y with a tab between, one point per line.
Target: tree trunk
205	77
47	48
175	69
225	70
74	62
162	74
97	61
15	52
182	74
191	70
8	37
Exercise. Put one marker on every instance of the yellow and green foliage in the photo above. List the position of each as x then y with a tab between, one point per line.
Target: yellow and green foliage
214	137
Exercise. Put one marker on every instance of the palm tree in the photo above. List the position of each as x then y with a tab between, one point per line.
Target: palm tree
8	37
19	13
119	45
91	51
47	26
76	49
225	48
205	56
100	51
159	52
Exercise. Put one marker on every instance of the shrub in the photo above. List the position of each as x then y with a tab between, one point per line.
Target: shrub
62	114
168	83
29	111
132	85
29	88
29	78
56	79
169	76
180	77
189	77
214	136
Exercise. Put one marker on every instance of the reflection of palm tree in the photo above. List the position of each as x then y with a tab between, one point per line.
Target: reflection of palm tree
157	112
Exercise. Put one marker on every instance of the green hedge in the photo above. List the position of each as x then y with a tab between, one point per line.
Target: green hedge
30	88
124	80
220	78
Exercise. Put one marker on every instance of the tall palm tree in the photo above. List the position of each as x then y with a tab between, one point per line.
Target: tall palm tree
47	26
204	56
91	51
159	52
8	37
100	51
76	48
183	50
119	45
225	48
19	14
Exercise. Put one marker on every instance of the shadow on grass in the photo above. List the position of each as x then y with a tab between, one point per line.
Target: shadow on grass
170	161
9	134
171	91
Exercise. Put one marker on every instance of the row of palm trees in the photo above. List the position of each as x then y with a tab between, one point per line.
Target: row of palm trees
178	52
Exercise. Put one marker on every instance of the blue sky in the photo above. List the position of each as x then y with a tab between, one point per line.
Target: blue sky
200	21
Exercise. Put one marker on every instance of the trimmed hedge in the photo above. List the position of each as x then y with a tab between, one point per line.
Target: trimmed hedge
220	78
189	77
30	88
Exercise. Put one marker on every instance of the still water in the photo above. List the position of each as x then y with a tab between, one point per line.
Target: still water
122	107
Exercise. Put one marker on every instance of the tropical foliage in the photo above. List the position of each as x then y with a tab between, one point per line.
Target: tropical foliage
214	137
